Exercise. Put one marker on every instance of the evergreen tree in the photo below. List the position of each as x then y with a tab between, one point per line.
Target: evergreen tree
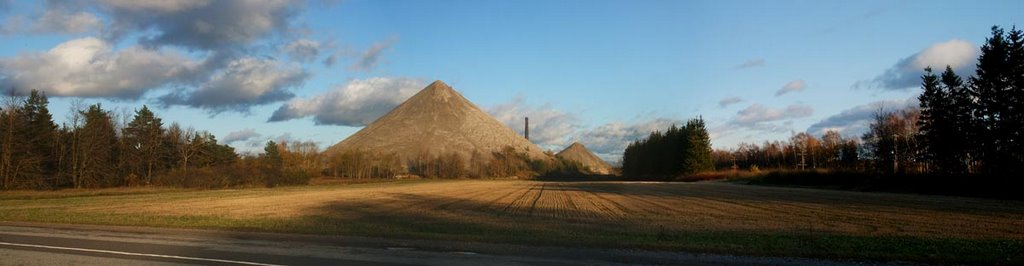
674	142
272	158
991	87
98	145
934	122
957	123
1015	118
210	153
629	160
145	149
850	154
677	151
697	152
40	135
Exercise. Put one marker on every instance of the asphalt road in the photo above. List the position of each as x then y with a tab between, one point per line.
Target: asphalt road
56	244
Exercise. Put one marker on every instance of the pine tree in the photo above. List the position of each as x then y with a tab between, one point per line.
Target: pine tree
629	163
98	145
210	153
991	86
697	156
934	107
272	158
272	164
40	135
146	147
1015	118
677	151
957	120
850	154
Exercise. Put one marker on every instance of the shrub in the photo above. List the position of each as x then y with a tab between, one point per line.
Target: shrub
703	176
251	171
445	166
288	177
362	164
508	163
504	163
557	168
220	176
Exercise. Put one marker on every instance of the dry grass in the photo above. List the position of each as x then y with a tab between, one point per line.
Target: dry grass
66	193
707	216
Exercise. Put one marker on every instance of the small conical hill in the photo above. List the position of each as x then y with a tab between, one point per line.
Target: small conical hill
579	153
437	121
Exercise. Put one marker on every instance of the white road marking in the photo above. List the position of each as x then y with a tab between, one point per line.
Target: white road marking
139	254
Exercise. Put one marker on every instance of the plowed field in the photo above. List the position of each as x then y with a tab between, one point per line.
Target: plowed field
711	216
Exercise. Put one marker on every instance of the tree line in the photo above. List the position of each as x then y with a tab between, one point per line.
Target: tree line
802	150
506	162
977	126
678	151
99	148
961	126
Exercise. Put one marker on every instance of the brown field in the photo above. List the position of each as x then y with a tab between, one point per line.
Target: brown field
708	216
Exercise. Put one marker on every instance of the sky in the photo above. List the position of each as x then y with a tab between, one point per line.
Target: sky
602	73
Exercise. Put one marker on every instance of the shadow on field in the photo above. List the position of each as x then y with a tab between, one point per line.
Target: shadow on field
458	218
787	195
526	221
582	178
987	185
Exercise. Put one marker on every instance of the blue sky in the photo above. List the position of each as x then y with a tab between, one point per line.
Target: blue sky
599	72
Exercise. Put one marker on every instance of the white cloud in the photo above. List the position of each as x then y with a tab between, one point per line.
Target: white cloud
729	101
906	73
66	22
241	135
760	119
752	63
303	50
554	129
357	103
244	82
370	58
853	122
956	53
161	6
254	145
757	114
609	140
792	86
88	67
57	17
230	46
200	24
549	127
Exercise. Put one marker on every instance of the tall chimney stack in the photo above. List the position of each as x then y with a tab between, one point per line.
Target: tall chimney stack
527	131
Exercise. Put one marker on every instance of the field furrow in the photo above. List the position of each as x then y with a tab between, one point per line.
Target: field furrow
514	205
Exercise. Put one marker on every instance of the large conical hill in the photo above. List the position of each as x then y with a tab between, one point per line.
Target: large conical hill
580	154
437	121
